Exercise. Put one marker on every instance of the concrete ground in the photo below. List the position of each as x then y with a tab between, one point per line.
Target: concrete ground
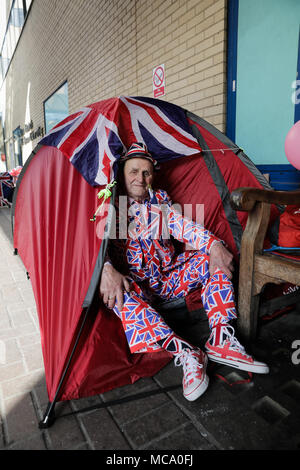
260	414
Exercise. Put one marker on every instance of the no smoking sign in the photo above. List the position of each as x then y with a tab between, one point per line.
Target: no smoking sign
158	80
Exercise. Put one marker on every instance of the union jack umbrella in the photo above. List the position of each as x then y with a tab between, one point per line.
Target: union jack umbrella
96	136
6	189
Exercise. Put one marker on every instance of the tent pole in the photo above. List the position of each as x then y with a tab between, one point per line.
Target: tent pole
49	416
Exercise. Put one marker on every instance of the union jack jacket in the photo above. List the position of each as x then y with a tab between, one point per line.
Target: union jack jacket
149	249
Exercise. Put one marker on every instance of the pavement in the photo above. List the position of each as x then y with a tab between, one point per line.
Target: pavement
237	412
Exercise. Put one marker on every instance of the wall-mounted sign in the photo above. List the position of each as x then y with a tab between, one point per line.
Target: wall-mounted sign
39	132
158	81
28	128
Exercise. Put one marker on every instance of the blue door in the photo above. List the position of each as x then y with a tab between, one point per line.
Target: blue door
263	86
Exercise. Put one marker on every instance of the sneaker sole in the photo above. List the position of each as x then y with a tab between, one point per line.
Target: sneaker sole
258	369
198	391
192	396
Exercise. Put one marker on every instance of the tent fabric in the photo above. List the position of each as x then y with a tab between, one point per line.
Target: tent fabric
58	246
63	250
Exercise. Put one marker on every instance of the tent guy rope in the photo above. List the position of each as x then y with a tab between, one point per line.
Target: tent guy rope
105	194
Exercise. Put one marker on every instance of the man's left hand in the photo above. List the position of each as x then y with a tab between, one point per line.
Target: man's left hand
220	258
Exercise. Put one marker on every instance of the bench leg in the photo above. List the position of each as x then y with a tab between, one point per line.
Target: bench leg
247	315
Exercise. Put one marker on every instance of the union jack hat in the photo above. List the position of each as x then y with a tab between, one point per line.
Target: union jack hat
139	150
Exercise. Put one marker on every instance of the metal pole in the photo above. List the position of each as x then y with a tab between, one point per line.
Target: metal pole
49	416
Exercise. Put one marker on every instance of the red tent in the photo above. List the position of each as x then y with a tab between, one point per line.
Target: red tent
84	347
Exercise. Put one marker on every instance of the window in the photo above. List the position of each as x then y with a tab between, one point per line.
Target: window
27	3
56	107
17	136
18	12
2	147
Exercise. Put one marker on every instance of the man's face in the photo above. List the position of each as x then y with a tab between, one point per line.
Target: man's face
138	174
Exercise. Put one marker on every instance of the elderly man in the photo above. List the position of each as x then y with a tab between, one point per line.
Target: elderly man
156	271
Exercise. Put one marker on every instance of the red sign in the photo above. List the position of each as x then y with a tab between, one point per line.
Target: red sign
158	80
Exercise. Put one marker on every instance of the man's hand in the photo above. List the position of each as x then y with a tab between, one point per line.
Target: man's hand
220	258
112	286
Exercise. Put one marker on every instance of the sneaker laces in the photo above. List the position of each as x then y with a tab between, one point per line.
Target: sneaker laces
189	362
233	341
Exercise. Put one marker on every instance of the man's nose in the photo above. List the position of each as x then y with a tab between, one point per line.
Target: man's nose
140	178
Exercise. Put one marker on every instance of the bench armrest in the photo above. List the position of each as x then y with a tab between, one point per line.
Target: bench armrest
244	199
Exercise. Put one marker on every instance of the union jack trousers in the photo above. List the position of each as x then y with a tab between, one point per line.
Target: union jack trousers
157	272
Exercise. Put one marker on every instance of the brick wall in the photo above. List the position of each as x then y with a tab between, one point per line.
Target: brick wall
106	48
189	37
